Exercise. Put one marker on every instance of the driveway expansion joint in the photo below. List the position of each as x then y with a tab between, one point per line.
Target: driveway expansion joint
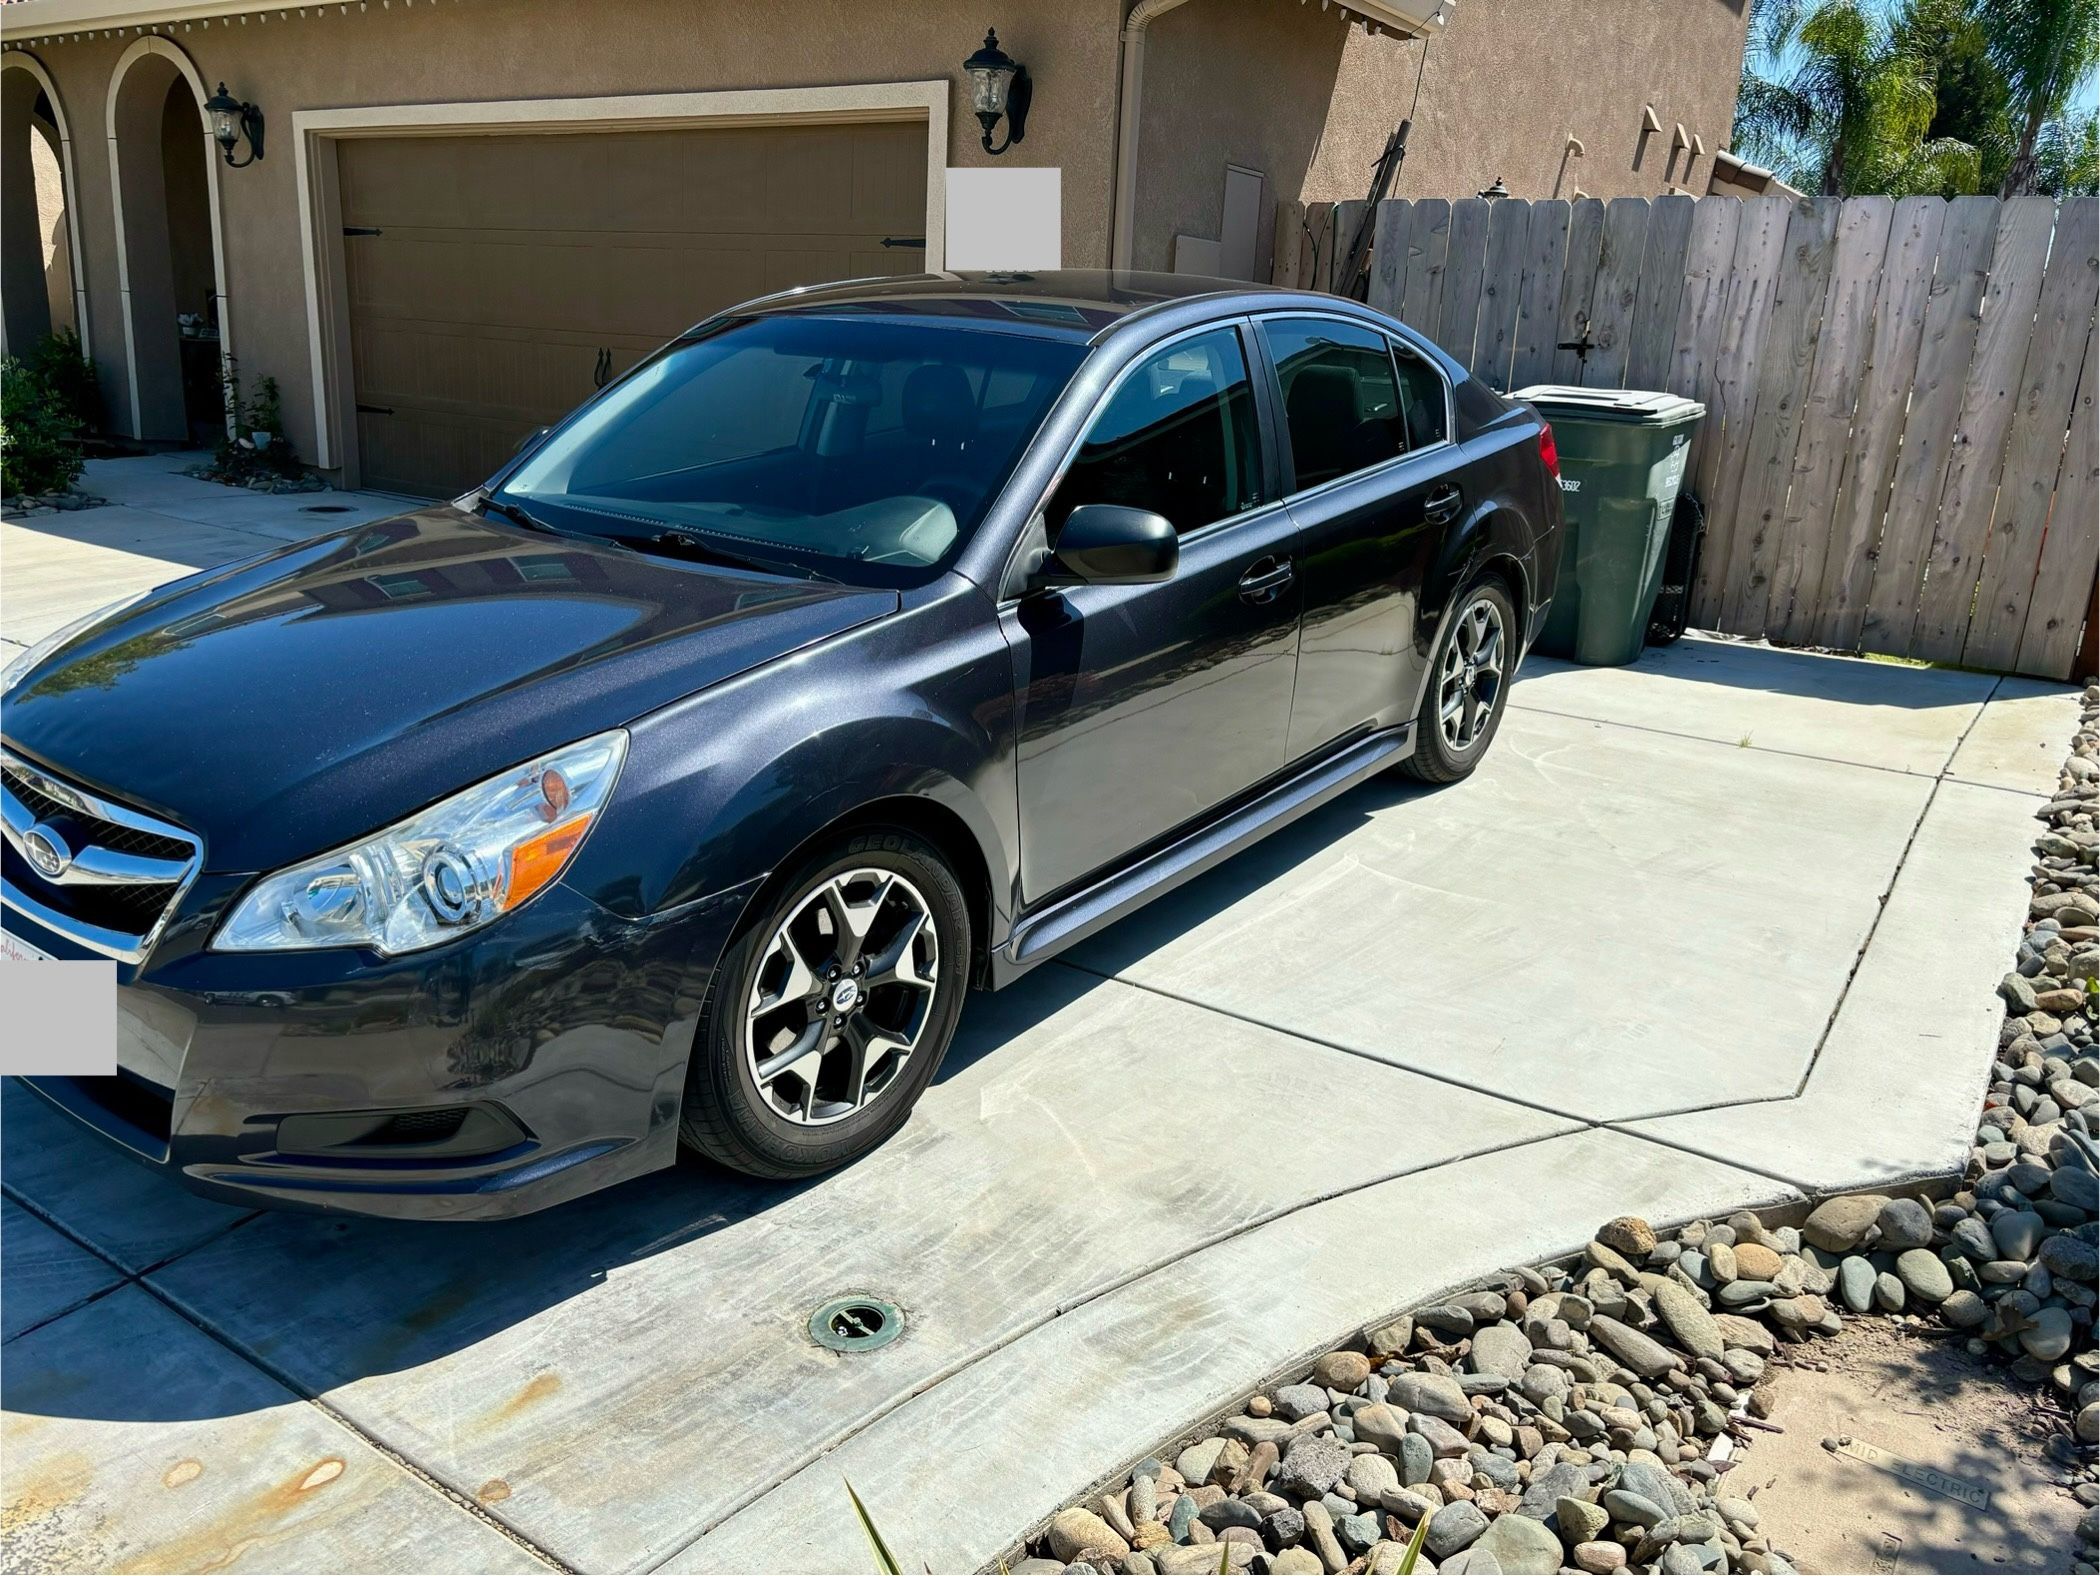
457	1498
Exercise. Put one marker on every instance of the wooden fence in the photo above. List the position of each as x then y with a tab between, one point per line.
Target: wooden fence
1899	453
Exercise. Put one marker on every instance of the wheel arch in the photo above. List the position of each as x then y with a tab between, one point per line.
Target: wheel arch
923	816
1494	540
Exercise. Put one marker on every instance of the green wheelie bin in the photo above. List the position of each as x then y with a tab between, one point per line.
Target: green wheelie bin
1621	462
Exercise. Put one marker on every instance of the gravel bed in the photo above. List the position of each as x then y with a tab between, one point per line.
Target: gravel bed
1583	1416
29	504
305	483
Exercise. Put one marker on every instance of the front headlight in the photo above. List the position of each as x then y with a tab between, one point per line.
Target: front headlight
442	872
18	669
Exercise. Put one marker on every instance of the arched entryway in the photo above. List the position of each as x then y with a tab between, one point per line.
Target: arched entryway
164	174
39	225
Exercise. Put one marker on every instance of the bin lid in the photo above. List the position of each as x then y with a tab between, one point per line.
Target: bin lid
1639	407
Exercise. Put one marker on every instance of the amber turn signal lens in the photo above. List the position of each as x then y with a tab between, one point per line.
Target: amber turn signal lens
539	859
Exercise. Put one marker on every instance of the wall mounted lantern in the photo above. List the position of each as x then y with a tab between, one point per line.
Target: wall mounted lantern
999	87
231	120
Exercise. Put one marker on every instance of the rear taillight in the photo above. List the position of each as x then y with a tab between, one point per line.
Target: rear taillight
1549	451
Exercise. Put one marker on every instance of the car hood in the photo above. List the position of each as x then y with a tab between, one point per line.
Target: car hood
285	704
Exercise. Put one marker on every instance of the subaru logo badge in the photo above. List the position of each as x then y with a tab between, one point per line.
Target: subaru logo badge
47	851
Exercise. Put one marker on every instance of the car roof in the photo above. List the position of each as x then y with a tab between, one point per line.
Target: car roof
1067	303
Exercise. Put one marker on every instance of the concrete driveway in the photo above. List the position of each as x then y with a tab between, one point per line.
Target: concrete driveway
1693	924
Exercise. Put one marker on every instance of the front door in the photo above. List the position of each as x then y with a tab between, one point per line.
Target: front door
1143	708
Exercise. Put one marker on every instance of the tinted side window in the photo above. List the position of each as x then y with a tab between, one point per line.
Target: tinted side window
1422	397
1177	437
1340	401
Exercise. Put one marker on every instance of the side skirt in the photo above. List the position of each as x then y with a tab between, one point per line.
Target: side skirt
1065	923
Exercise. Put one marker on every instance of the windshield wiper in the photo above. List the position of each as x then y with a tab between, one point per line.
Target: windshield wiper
699	549
515	515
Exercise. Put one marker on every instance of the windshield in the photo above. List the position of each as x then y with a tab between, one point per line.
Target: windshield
863	451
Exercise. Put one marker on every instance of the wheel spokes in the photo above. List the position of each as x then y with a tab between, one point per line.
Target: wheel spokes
898	962
1470	679
819	1048
852	918
866	1049
812	1038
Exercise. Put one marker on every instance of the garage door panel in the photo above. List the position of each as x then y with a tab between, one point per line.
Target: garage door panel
506	269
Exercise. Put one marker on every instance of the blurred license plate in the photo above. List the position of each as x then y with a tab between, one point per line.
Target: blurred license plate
13	949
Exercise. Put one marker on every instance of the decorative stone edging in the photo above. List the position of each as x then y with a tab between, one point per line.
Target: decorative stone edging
29	505
302	483
1581	1416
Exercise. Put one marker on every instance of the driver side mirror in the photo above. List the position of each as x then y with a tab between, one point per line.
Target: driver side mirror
1105	544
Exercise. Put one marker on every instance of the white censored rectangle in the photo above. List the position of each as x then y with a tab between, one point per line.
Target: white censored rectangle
58	1018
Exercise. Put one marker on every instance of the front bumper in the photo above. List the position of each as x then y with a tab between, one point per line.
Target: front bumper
558	1038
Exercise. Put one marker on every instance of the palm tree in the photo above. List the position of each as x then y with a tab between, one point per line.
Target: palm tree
1835	101
2043	49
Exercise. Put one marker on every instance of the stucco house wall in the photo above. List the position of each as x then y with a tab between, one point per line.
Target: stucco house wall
1308	100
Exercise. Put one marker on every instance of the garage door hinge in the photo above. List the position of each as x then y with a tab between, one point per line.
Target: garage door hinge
361	229
904	240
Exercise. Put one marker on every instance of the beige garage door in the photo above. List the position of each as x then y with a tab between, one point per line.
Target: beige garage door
495	281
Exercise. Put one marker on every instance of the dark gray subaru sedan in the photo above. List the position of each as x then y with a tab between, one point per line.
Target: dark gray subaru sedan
865	644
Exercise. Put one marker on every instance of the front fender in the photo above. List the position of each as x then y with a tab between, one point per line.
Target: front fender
720	788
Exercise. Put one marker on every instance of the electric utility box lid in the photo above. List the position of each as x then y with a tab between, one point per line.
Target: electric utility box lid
1637	407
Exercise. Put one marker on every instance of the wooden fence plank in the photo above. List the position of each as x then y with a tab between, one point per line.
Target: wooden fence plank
1824	444
2063	586
1495	340
1617	291
1342	224
1289	268
1428	242
1661	289
1899	324
1944	351
1775	426
1538	304
1320	245
1701	312
1464	275
1759	246
1578	279
1389	255
2035	445
1973	469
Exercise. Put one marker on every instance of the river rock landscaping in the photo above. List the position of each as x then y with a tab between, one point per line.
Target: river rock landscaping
29	505
1584	1415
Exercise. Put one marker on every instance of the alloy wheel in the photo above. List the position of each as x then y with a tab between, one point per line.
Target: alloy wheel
1470	679
841	996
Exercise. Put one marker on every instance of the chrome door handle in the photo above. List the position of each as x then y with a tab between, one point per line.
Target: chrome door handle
1266	579
1442	505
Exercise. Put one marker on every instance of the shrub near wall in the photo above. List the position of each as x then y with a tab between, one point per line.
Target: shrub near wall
39	434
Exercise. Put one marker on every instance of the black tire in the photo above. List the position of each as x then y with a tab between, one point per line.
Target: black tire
727	1116
1438	758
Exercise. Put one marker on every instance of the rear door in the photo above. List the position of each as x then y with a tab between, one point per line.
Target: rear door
1374	485
1144	708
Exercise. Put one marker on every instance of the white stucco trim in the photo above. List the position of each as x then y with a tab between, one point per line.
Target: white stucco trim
145	47
312	128
22	60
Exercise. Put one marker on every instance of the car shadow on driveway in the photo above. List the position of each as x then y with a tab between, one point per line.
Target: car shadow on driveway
410	1294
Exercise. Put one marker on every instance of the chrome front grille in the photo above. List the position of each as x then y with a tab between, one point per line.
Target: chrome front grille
100	873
